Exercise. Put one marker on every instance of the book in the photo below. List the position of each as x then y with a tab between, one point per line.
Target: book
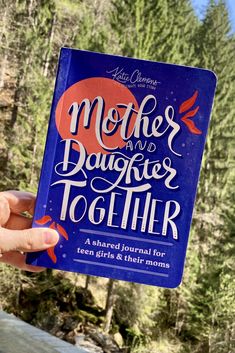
121	166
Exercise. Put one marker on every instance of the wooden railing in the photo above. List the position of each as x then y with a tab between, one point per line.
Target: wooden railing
16	336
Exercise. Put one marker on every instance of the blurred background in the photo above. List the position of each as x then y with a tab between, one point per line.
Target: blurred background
107	315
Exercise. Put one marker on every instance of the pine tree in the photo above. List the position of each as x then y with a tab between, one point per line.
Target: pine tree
211	235
93	27
199	316
216	52
153	30
31	23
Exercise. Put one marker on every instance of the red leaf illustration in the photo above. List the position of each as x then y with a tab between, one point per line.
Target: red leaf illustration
62	231
52	226
51	253
43	220
190	114
188	103
191	126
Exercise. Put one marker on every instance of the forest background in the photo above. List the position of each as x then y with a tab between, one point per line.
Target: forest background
198	317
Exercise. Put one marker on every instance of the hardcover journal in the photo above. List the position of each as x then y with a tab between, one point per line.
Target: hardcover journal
121	166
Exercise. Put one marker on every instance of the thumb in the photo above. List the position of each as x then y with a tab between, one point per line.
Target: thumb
33	239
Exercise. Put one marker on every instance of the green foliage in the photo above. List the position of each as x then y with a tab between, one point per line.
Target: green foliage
138	315
93	28
153	30
199	316
11	280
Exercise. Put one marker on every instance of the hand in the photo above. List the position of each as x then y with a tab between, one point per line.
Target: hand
16	234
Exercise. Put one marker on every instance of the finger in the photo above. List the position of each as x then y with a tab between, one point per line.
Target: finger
16	259
18	201
4	209
18	222
28	240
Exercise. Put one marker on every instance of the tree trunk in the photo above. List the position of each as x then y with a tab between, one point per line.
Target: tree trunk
34	143
4	43
48	52
109	305
3	70
17	95
88	280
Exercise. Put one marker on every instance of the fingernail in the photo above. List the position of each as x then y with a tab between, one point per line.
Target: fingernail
50	237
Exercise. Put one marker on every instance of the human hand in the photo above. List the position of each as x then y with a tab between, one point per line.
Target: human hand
16	234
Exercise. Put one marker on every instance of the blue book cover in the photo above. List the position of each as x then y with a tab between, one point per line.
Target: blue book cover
121	166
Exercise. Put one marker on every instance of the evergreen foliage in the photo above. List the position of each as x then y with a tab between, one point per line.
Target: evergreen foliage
199	316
